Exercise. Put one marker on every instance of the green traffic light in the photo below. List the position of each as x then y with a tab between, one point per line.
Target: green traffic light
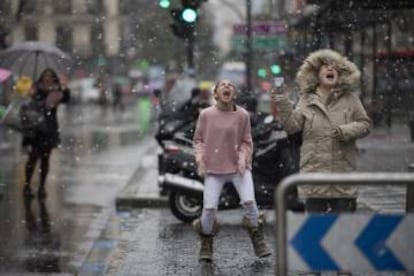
165	4
189	15
276	69
261	72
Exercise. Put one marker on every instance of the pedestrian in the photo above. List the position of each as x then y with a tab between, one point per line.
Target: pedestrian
100	85
48	93
331	118
223	150
198	101
117	97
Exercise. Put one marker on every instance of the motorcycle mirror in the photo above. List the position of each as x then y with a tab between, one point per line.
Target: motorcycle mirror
268	119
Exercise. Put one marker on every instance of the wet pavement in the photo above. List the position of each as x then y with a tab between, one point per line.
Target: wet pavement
57	234
78	230
153	242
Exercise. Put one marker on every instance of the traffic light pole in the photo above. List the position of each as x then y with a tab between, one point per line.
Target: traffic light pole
190	51
249	46
183	27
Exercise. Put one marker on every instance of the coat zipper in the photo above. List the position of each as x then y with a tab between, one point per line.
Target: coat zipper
311	121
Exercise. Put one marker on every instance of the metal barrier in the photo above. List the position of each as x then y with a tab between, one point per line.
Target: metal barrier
323	179
409	196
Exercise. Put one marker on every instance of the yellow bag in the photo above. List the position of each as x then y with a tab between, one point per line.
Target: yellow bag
23	86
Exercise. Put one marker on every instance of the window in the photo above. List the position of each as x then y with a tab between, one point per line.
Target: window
27	7
125	6
97	38
62	7
64	38
95	7
31	32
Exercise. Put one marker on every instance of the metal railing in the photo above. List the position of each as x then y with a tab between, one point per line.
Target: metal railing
325	179
409	196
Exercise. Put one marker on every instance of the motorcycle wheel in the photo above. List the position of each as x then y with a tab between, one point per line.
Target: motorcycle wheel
185	208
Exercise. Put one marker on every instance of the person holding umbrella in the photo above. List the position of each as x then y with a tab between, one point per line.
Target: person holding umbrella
48	93
29	58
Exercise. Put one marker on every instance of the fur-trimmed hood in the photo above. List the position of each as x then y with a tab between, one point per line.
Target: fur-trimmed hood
307	76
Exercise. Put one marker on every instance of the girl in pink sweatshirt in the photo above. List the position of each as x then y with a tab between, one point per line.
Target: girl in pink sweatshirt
223	149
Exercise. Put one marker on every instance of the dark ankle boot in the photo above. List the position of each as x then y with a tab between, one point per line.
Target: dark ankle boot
206	241
41	193
27	191
256	235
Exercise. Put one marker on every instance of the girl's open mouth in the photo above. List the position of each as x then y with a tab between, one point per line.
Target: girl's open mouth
330	76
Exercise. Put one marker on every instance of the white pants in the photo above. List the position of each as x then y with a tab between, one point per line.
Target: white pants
213	184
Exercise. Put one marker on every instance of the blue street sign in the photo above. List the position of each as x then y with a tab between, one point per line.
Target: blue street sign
351	242
372	242
308	242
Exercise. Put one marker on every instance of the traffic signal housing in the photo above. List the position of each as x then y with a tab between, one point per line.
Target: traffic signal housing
165	4
181	27
185	18
189	15
189	12
269	70
262	73
276	69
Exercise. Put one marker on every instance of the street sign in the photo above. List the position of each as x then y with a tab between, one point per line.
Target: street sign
350	242
261	28
260	43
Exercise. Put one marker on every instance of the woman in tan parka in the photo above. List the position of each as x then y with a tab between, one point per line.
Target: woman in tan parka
331	117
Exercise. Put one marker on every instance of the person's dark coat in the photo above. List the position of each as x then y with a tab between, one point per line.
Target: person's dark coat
50	137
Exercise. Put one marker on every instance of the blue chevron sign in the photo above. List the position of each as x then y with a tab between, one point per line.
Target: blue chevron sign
351	242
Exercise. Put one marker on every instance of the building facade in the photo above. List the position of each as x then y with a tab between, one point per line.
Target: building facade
83	28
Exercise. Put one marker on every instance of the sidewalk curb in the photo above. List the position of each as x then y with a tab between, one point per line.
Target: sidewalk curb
126	199
125	203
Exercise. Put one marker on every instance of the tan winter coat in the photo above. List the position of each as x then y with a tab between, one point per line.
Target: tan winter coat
321	151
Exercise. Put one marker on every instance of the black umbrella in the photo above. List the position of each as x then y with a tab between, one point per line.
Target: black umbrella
30	58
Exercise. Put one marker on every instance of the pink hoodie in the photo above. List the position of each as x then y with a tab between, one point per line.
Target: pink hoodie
222	139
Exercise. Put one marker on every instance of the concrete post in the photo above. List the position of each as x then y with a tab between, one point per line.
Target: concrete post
409	204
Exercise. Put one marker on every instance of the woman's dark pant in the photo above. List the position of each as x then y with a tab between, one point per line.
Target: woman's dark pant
330	205
38	153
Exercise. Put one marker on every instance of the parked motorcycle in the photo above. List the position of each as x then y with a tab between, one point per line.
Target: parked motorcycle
275	156
171	121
